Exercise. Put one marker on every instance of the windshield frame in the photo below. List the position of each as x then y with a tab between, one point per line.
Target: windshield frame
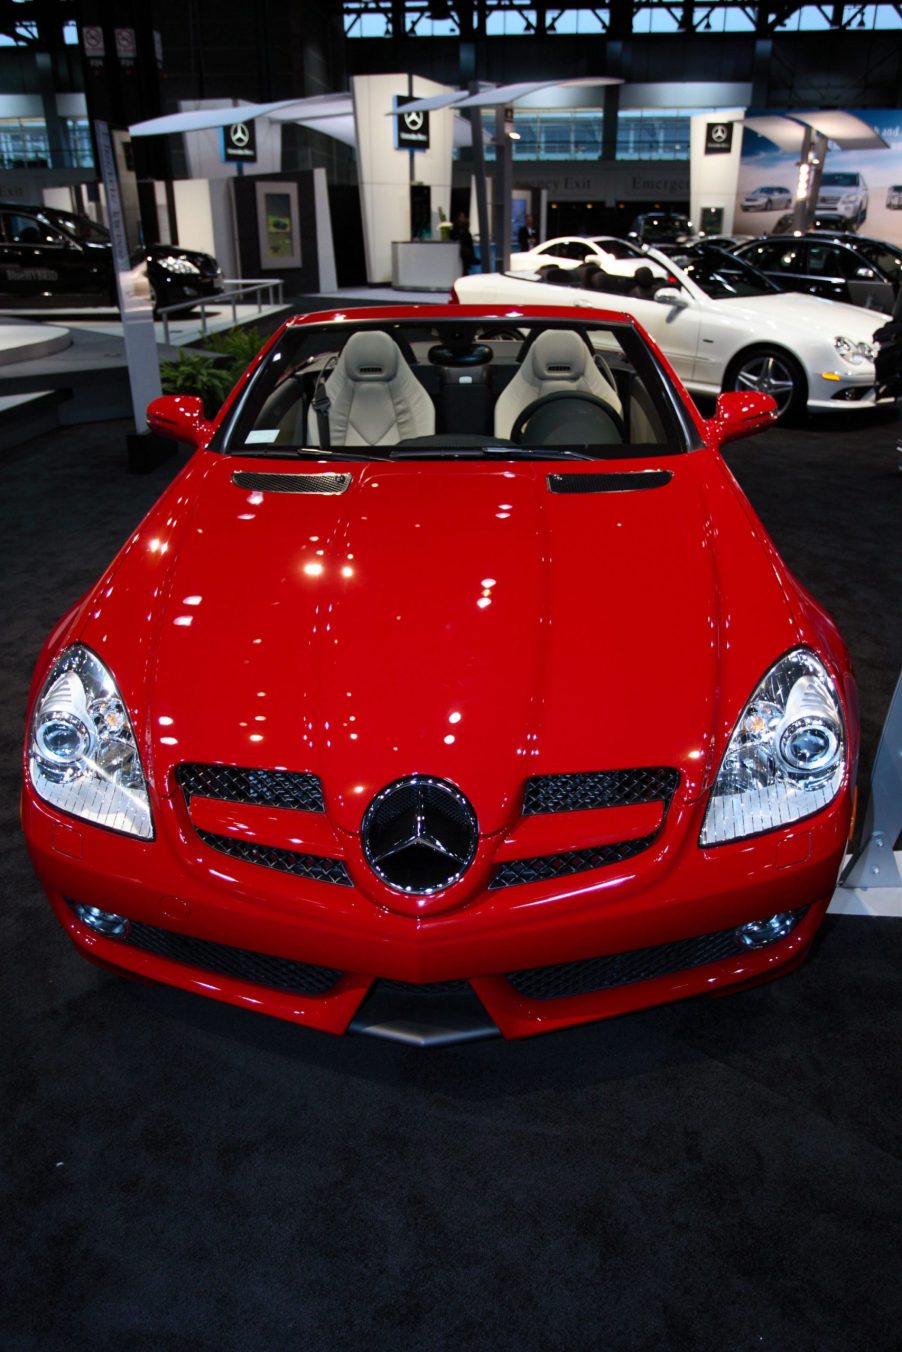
681	434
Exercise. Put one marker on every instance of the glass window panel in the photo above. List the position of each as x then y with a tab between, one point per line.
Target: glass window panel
559	22
510	23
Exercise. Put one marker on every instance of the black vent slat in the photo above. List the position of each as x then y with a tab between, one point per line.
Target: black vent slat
630	481
549	866
601	788
454	987
314	866
588	975
260	481
259	969
266	788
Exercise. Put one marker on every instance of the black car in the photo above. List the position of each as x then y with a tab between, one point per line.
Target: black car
662	229
54	257
824	263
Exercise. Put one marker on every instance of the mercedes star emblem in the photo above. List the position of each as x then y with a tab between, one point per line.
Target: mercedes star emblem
420	835
240	135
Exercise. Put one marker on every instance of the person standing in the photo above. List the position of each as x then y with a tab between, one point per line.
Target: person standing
461	232
529	235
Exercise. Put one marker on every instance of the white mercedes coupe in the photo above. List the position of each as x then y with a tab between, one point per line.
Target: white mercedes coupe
723	326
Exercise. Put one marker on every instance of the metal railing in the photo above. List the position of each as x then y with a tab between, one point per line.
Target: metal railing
239	291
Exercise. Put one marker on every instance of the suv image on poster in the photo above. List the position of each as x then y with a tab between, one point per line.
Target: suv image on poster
845	194
894	197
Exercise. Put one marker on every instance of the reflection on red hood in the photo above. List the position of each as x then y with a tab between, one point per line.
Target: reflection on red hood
446	618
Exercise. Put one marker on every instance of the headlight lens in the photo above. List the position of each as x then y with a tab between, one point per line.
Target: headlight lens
787	756
184	266
854	353
82	755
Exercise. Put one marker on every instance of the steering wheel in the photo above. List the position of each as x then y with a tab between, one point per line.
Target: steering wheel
583	406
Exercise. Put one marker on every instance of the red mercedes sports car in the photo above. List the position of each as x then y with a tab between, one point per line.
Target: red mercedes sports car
453	687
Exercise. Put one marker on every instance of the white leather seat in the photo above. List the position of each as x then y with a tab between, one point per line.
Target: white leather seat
558	360
374	397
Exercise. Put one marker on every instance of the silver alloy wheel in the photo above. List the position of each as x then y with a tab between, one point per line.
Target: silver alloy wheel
770	373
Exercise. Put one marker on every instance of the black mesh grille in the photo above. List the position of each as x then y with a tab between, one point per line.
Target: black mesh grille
285	861
560	865
263	482
631	482
601	788
267	788
622	969
455	987
259	969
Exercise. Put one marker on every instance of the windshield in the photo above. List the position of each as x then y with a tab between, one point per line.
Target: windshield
474	388
839	180
81	228
723	276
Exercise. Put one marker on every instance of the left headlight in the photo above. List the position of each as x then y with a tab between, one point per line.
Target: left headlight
787	756
183	266
82	755
852	352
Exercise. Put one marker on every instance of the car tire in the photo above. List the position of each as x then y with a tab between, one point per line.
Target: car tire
770	370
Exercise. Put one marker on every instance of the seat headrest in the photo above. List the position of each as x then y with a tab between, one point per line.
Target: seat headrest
559	356
370	356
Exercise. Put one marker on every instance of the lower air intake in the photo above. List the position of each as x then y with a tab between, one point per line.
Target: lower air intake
623	969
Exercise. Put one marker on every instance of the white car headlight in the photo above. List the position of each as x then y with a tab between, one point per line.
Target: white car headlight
179	265
854	353
82	755
787	756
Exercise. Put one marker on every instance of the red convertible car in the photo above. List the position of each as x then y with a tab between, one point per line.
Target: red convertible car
452	687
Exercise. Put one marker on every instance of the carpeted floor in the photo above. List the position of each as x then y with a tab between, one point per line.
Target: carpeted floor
715	1176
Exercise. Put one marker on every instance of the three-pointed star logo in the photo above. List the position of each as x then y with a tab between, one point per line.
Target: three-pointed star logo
409	831
240	135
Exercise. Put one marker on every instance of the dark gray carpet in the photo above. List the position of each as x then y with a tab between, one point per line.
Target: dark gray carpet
716	1176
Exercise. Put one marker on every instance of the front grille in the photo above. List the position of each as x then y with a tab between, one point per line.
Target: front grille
600	788
314	866
265	788
455	987
550	866
622	969
258	969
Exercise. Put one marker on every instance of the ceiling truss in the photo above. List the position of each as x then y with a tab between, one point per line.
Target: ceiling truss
411	18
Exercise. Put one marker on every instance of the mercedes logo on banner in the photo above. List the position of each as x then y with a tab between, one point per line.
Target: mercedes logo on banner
412	129
718	138
239	142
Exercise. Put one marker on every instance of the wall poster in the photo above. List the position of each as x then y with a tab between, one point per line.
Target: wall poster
860	190
278	225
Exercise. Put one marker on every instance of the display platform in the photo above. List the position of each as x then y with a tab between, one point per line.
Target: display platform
21	340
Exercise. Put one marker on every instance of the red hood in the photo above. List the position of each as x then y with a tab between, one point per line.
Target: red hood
452	619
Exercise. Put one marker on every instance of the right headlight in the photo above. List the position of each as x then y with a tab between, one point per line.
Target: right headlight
82	754
787	756
853	352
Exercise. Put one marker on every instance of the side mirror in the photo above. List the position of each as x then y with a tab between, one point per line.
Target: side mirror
180	417
741	413
867	273
668	295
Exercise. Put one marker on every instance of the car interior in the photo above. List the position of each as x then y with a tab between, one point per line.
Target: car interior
450	385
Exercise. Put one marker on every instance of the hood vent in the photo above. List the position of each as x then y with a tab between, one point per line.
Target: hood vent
261	482
630	481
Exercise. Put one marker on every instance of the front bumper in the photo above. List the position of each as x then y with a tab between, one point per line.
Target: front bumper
527	954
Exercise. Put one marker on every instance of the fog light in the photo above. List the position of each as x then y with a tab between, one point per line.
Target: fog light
103	922
760	933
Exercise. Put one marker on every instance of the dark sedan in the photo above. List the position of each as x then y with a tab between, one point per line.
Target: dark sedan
839	267
54	257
